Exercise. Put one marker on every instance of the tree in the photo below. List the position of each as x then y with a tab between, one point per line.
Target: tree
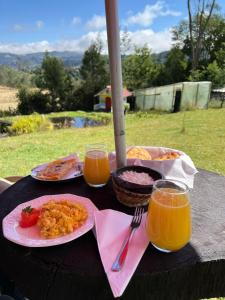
198	22
214	39
54	77
139	69
220	56
198	36
14	78
94	73
213	72
175	66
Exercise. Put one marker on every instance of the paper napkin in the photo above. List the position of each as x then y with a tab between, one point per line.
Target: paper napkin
111	229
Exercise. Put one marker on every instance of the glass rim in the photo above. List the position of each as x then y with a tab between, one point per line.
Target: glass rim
96	146
181	184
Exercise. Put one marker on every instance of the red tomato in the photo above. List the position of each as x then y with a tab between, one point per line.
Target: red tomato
29	216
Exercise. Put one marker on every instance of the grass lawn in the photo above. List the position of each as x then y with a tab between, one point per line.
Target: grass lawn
200	133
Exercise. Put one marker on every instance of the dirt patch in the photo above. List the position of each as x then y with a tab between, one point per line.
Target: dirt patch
8	98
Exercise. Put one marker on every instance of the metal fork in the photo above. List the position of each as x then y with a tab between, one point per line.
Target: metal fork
121	256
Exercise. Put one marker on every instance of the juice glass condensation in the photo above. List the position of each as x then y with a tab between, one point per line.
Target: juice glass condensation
169	216
96	165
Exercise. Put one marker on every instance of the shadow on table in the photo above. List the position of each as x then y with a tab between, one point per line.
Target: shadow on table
8	291
156	261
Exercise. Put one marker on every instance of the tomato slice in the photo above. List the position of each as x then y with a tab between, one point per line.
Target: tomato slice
29	217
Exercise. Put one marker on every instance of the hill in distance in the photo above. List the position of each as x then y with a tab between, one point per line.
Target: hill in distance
34	60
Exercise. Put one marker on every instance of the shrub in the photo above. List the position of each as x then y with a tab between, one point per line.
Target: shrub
23	101
33	101
28	124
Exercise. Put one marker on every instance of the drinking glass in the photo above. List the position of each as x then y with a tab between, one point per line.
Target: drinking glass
168	221
96	165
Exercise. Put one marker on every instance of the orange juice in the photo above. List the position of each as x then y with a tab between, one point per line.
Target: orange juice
96	168
169	221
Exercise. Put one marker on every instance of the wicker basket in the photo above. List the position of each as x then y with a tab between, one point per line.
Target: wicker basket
129	198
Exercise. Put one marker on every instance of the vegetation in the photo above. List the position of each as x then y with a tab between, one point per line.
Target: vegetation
139	69
175	67
198	23
54	77
36	122
28	124
201	39
94	74
203	139
14	78
30	101
59	88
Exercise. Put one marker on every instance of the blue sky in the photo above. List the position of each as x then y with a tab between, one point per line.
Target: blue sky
34	26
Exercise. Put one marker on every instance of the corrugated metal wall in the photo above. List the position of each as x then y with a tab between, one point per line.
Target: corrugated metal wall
193	94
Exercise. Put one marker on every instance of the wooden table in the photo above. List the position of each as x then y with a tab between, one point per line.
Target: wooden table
74	270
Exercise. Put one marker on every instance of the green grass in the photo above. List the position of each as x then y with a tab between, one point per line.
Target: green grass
200	133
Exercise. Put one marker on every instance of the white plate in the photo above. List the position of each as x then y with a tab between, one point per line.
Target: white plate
30	236
73	173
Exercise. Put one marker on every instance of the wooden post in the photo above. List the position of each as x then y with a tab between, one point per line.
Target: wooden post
116	80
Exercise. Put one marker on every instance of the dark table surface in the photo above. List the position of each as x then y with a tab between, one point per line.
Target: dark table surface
74	270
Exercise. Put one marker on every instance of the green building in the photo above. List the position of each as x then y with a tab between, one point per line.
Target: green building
174	97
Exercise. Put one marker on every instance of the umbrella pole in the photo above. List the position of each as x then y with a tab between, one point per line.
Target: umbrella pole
116	80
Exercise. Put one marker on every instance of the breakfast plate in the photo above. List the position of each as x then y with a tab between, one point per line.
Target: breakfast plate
54	172
72	174
31	237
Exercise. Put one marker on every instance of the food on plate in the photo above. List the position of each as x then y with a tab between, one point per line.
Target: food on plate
138	152
137	177
59	218
57	169
168	155
29	217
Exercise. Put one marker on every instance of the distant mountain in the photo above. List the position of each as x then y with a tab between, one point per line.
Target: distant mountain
33	60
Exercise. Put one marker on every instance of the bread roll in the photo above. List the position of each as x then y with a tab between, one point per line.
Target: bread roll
138	152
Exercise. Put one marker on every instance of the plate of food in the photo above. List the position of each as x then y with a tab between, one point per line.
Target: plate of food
61	169
49	220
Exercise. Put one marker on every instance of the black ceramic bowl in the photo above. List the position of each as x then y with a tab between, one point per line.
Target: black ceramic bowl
134	187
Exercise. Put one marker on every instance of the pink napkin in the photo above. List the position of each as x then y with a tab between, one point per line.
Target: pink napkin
111	229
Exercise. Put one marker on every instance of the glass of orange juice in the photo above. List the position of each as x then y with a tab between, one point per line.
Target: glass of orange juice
96	165
168	221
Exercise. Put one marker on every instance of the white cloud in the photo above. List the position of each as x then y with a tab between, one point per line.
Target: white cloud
79	45
156	41
26	48
151	12
76	20
18	27
96	23
39	24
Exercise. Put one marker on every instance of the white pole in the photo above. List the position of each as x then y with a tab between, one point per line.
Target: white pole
116	80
